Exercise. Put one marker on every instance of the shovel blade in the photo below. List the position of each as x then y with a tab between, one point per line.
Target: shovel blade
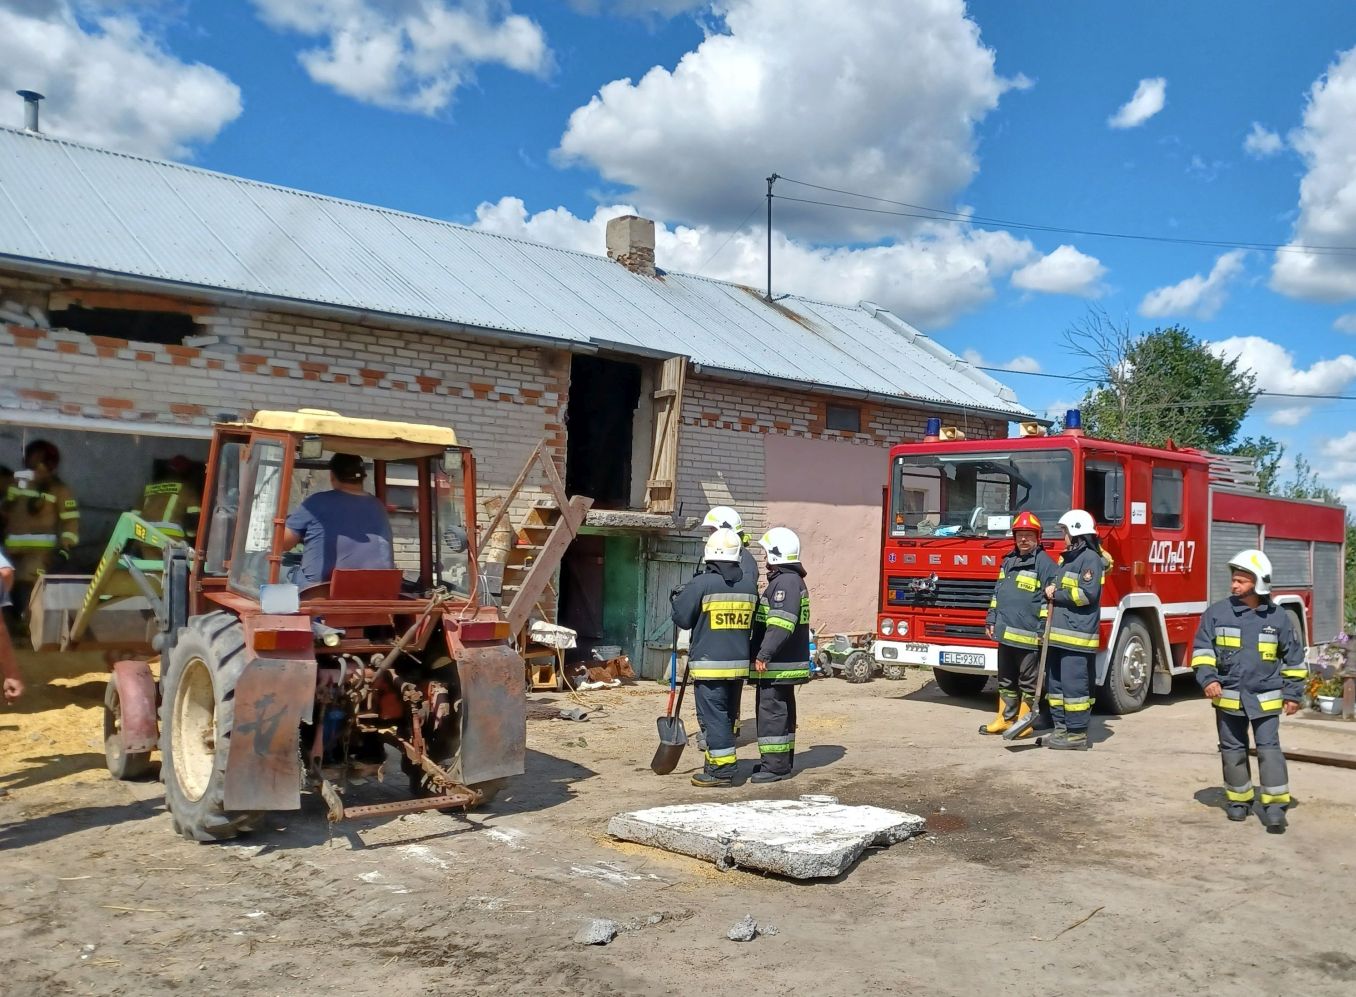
672	740
1023	724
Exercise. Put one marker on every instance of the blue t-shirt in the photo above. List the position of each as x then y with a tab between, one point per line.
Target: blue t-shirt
340	530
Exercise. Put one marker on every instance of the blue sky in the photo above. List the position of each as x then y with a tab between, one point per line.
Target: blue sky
1237	123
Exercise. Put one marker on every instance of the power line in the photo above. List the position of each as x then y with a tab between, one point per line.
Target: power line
738	228
926	213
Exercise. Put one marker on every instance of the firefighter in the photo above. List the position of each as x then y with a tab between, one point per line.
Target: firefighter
1015	622
1075	597
42	519
173	502
717	606
781	636
722	517
1249	661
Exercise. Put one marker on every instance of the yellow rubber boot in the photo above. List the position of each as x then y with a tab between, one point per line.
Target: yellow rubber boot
999	723
1022	711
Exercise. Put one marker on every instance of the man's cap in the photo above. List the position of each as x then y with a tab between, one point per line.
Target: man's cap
348	467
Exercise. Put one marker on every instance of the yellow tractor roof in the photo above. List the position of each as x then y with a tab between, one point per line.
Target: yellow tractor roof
333	426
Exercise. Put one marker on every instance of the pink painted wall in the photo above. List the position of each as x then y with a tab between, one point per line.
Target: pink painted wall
829	492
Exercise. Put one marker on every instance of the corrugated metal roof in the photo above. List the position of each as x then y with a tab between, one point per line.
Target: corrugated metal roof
72	205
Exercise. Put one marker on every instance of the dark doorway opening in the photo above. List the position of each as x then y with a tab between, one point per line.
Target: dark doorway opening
600	430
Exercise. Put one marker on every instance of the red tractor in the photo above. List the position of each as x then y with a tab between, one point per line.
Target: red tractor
266	687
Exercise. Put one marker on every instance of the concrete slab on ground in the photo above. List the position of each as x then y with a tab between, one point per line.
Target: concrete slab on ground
809	838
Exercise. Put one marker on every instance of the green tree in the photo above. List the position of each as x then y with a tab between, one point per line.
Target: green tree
1157	386
1266	455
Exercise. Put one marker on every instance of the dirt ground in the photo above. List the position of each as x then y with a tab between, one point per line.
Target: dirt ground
1111	872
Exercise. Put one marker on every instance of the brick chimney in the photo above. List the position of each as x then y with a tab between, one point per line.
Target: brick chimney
630	241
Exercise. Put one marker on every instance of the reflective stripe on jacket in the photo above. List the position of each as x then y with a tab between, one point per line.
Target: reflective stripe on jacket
781	631
174	505
1078	599
1254	654
41	517
1018	598
718	607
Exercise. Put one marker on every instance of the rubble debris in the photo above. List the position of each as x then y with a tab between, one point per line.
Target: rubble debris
800	839
598	931
745	930
574	713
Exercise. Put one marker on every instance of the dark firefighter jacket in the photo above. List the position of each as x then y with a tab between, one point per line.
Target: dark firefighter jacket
1254	654
1018	598
717	606
1078	598
781	627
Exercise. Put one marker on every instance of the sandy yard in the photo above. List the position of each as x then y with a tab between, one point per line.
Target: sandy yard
100	897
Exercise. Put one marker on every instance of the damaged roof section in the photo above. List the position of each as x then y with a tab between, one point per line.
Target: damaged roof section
108	214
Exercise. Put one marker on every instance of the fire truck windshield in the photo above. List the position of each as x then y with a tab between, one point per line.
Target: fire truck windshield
977	494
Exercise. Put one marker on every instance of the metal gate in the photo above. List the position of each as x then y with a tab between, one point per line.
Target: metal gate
1328	566
669	562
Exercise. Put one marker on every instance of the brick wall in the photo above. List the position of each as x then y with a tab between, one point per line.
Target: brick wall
721	452
501	400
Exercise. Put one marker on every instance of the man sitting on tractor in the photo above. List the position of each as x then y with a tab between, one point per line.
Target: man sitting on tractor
345	527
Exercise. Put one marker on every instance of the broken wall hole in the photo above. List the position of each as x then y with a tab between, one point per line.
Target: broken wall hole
600	451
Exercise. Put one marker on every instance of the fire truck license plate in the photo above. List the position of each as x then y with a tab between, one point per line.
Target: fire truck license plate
962	658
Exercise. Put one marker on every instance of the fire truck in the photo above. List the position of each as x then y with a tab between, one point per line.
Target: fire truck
1170	517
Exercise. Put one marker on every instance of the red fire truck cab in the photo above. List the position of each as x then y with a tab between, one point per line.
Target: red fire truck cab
1170	518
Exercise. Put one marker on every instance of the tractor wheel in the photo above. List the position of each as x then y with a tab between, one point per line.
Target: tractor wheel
122	764
959	684
857	667
895	671
197	715
444	747
1129	671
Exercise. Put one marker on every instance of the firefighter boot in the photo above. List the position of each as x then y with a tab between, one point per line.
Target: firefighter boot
1000	722
710	782
1065	740
1273	818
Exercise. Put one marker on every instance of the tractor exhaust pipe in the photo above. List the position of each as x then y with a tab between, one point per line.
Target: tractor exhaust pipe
31	98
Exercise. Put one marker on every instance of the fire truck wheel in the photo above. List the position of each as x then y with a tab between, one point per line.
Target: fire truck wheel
895	671
121	764
197	715
959	684
857	667
1129	673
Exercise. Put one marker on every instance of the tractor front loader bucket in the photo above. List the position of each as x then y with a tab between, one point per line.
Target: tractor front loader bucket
122	621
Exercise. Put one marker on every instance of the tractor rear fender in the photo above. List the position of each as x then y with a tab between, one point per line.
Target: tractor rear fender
137	702
273	696
494	710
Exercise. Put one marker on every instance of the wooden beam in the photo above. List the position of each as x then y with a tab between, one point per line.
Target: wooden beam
1317	757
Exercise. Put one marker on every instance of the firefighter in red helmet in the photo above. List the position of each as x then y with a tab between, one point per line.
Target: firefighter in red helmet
1014	621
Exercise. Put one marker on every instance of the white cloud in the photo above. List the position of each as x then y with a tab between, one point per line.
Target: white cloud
1275	368
928	279
1338	466
1197	295
1327	201
881	98
1020	365
1148	100
1064	271
109	81
1345	323
1262	142
410	55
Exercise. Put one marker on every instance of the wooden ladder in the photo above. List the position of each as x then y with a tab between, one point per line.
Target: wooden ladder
542	539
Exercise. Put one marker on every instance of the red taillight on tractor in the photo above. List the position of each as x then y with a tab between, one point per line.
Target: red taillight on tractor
488	630
283	640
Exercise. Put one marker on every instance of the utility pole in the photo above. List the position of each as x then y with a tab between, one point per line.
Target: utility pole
770	181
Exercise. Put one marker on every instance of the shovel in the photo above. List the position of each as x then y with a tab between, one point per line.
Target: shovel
672	733
1030	718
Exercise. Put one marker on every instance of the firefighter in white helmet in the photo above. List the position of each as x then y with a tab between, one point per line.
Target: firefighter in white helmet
1075	602
781	641
722	517
1249	660
718	606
